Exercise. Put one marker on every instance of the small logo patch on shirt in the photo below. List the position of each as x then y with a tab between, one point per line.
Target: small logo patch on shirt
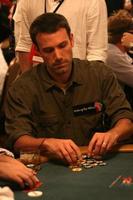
84	109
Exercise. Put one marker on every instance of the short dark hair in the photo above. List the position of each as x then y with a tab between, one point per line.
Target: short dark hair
48	23
120	22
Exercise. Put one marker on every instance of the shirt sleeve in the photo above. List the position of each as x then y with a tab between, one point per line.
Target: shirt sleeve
22	24
18	113
116	104
122	65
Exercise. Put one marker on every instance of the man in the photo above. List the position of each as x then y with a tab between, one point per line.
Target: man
88	20
13	170
118	25
61	104
117	58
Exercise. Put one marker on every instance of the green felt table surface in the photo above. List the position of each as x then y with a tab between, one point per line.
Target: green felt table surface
60	183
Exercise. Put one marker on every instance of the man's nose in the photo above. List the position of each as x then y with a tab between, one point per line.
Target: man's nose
58	54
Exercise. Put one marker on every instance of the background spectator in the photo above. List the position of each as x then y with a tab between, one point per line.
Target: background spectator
118	57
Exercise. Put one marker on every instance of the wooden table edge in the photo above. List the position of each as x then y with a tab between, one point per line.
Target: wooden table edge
118	148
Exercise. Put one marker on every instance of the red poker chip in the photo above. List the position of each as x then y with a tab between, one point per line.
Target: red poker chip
127	181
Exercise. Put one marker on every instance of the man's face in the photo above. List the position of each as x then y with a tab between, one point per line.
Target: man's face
56	50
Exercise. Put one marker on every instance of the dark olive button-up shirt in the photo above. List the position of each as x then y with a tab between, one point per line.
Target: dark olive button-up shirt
38	107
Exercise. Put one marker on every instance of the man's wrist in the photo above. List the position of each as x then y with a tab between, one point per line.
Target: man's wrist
42	145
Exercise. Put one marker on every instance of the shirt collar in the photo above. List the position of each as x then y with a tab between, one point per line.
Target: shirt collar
75	79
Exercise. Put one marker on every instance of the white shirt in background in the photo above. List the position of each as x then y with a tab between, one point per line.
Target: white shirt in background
87	19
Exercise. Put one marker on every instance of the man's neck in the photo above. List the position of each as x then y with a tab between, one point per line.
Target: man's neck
62	79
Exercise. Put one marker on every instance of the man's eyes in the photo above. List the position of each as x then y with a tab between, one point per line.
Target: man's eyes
51	49
62	45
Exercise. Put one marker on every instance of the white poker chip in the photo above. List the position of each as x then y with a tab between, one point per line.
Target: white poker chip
35	193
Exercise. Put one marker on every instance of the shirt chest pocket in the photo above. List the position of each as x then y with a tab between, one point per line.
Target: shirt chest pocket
48	126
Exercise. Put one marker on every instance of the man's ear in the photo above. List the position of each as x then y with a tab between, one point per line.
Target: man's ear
72	39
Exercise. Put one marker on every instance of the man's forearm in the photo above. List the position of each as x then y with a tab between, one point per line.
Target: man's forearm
27	141
123	129
24	61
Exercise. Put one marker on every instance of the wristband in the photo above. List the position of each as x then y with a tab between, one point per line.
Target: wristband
41	143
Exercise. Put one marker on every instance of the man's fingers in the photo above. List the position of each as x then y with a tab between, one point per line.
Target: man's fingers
20	181
98	145
91	146
76	149
69	156
71	153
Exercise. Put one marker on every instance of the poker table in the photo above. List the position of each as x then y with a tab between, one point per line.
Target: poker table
100	182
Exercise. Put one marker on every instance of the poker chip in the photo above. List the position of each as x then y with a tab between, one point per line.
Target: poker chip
84	156
87	166
102	164
127	180
30	166
77	169
87	162
35	193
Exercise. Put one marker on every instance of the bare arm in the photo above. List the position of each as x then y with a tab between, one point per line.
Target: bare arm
64	149
27	141
102	142
24	61
18	172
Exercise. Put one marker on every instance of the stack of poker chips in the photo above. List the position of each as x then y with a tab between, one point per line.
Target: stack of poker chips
87	162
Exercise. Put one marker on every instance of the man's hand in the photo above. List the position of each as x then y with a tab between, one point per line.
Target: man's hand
18	172
101	143
64	149
127	39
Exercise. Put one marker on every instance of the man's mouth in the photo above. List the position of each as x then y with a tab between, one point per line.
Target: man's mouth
59	65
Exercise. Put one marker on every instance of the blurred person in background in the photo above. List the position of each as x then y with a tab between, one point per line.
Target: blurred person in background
7	30
119	26
113	6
